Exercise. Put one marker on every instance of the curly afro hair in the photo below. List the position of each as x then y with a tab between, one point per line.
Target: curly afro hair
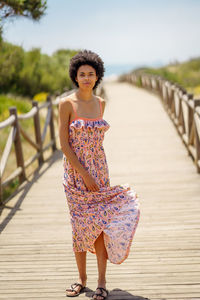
86	57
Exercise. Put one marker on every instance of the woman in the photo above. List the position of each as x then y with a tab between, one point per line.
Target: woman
103	218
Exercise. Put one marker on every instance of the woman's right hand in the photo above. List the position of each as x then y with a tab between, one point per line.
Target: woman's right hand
90	182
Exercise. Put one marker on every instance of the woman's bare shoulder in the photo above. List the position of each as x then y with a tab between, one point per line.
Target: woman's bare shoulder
65	102
103	101
65	107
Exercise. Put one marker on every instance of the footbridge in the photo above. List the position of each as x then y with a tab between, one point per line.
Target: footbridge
143	149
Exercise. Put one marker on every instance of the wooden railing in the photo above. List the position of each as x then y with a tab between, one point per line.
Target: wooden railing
15	134
17	131
182	108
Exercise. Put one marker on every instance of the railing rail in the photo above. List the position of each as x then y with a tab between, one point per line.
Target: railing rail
182	108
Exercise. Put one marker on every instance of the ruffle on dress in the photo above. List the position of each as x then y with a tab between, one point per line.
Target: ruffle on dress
81	123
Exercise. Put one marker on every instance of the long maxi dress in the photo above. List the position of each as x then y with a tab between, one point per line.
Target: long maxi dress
113	209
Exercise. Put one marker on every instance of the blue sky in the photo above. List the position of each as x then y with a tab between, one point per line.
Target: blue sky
122	32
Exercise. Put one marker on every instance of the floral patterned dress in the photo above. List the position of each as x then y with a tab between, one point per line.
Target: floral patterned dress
113	209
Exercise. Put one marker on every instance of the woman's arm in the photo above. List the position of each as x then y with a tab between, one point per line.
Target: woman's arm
64	114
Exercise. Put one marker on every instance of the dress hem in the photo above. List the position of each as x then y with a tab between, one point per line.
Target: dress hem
129	244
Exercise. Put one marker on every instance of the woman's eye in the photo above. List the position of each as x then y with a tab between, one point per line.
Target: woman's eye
82	75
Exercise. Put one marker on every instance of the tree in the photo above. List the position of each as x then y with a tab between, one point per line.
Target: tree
33	9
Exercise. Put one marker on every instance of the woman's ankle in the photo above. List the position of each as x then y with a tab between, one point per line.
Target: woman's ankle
83	279
102	282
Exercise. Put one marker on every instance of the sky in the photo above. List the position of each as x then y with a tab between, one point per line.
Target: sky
123	32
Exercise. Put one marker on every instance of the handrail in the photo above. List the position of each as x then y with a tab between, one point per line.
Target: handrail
9	121
181	107
28	115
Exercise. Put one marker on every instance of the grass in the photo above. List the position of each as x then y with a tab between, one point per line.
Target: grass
23	105
10	189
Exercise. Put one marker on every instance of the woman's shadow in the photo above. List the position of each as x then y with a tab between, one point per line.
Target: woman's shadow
116	294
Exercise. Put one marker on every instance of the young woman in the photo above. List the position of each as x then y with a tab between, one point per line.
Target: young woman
103	217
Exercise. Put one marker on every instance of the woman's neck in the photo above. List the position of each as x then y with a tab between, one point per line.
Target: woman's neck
85	95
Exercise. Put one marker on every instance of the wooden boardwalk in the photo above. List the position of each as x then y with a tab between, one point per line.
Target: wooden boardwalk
143	149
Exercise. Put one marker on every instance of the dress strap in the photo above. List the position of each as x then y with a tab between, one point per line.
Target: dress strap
76	116
100	104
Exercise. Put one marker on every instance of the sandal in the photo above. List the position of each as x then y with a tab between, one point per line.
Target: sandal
73	286
102	290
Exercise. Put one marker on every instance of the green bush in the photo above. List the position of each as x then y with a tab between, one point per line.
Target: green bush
30	72
22	105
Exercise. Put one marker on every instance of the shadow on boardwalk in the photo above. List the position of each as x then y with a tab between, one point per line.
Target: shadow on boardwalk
117	294
25	187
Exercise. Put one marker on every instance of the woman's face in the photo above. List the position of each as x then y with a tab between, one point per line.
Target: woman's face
86	77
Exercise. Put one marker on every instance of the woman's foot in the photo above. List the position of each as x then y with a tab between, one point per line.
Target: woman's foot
76	288
101	293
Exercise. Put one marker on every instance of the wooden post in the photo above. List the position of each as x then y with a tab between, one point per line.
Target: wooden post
197	139
18	145
190	117
168	100
171	103
37	130
1	191
51	124
181	118
164	95
160	87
